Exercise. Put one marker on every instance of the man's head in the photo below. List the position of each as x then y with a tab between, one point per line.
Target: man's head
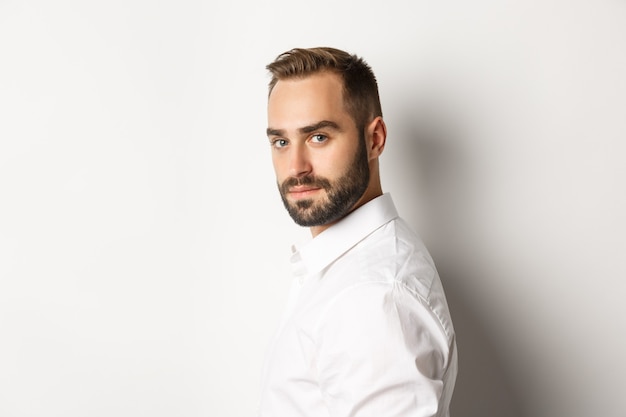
326	130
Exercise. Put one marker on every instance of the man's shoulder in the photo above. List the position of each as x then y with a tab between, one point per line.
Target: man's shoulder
393	254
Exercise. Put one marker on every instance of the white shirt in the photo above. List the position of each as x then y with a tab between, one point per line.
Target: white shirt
367	331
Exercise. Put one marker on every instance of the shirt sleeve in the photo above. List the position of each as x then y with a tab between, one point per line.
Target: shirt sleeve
381	352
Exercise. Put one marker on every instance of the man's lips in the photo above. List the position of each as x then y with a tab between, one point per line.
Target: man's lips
303	191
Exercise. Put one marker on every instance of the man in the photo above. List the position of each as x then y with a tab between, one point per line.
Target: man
367	330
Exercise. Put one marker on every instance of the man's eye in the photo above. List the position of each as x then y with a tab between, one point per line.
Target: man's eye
318	138
279	143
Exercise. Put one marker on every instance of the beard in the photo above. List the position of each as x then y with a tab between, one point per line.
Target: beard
341	194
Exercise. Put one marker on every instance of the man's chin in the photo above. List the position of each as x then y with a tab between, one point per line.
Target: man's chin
302	213
303	204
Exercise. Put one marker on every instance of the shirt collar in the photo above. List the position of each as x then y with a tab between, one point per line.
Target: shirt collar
318	253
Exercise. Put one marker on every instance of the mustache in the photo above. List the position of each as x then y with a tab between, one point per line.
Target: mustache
309	180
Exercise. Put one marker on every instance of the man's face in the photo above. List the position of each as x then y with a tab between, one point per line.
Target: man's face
319	155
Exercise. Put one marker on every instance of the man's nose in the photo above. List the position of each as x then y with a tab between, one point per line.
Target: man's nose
299	162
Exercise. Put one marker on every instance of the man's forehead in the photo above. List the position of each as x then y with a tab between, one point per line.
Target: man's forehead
319	83
315	97
297	103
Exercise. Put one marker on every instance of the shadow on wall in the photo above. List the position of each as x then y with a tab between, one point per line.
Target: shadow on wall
483	388
430	152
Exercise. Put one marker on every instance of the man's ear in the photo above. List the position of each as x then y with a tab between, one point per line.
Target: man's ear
376	133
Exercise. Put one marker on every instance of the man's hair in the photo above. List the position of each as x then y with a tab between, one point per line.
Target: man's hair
360	90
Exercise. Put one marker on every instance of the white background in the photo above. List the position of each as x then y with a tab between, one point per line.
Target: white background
143	245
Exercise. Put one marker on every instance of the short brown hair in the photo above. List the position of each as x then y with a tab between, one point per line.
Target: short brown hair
360	90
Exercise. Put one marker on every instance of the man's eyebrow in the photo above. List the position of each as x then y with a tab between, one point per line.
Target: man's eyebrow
319	125
306	129
275	132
